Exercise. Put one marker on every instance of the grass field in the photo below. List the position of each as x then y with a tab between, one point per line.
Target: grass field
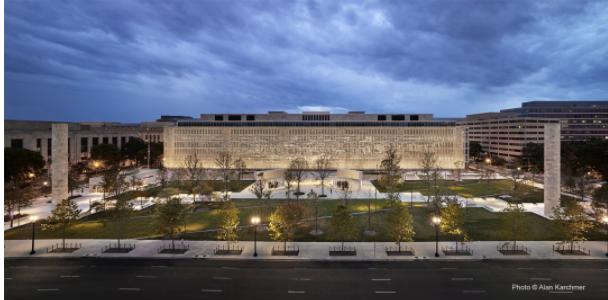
472	188
480	224
183	188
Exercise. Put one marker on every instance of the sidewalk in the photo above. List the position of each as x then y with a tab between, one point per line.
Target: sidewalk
308	250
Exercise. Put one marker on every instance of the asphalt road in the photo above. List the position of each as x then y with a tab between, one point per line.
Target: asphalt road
103	278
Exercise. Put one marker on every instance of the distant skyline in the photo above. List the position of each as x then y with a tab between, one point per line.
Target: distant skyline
133	61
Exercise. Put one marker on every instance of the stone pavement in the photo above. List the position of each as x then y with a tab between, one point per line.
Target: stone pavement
308	250
42	206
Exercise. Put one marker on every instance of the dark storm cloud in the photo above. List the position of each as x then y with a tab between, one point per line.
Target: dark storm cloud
140	59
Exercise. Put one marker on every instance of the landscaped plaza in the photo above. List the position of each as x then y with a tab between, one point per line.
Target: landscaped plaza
482	200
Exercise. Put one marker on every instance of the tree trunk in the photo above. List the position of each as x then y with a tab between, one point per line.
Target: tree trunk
298	192
10	214
572	246
322	186
63	237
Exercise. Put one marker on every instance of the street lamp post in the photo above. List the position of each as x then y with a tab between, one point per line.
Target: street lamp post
255	221
605	220
148	134
436	221
33	220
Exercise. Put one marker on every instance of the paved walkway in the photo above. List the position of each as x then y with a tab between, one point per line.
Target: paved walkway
308	250
42	206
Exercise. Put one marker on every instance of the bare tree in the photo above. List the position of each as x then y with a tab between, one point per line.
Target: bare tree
298	167
225	163
345	193
135	182
390	166
289	178
436	179
163	176
240	167
458	166
194	171
73	179
259	188
15	197
428	163
322	166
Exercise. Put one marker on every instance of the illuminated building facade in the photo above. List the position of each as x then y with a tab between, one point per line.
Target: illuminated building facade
353	141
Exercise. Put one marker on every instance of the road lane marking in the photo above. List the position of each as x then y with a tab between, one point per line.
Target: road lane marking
446	268
385	292
8	278
230	268
540	279
381	279
462	278
146	276
296	292
130	289
69	276
474	291
221	278
211	291
48	290
301	279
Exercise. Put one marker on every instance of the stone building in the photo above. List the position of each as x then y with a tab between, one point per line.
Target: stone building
354	140
505	134
580	120
37	136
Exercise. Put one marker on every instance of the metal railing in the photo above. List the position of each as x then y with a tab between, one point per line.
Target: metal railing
342	251
118	248
228	249
286	251
395	251
565	249
69	247
457	250
179	247
509	249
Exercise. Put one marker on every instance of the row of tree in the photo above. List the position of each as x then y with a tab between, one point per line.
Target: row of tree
135	149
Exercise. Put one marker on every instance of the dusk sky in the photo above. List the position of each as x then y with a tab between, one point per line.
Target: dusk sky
135	60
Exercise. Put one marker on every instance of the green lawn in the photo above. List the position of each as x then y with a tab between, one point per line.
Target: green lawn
183	188
480	224
472	188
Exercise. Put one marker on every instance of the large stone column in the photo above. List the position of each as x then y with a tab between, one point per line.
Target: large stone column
552	162
59	163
